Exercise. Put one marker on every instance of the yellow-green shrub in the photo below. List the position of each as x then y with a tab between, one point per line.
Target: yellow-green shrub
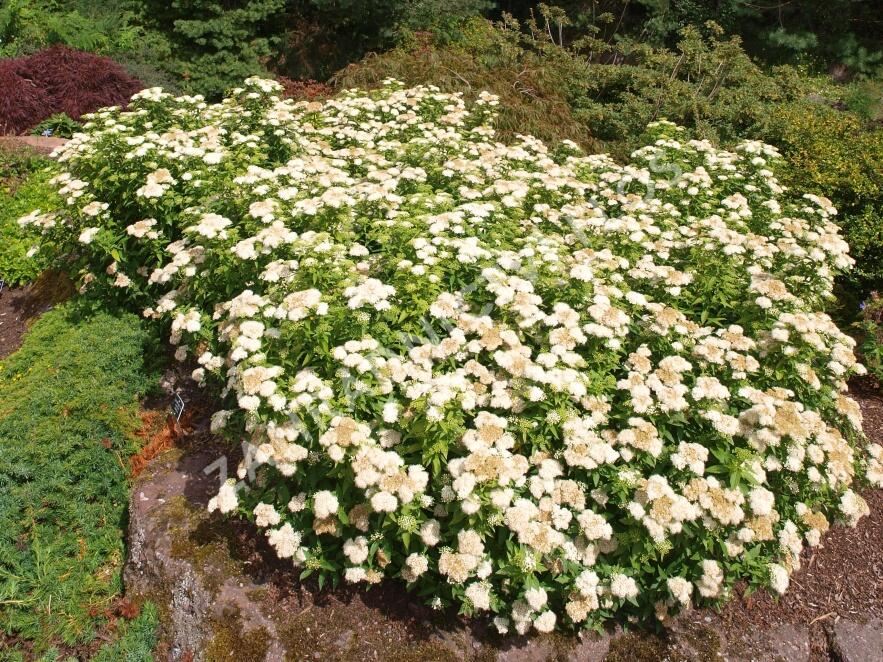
832	153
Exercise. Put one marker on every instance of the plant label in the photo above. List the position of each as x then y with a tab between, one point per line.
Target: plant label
177	407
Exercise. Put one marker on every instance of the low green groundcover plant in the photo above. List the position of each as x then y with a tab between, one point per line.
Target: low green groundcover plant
68	403
136	641
522	380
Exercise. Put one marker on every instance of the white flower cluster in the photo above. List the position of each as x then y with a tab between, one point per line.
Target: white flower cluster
526	381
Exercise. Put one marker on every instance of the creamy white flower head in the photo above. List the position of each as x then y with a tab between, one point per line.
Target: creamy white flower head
623	586
430	533
87	235
356	550
384	502
226	500
265	515
545	622
479	595
680	589
325	504
779	578
285	540
536	598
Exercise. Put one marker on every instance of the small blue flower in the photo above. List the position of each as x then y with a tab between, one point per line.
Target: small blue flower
862	305
46	133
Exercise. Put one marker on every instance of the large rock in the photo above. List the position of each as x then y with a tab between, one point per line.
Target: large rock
783	643
207	602
857	642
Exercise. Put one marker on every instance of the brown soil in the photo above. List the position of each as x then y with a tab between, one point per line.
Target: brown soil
13	323
40	144
20	305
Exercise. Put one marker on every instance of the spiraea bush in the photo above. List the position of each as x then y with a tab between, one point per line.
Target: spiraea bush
522	380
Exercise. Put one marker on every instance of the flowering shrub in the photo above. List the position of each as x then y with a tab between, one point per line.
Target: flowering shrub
524	381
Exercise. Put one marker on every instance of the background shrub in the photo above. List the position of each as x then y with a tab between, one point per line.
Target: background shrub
832	153
60	80
22	104
326	35
78	82
214	45
836	33
101	26
304	89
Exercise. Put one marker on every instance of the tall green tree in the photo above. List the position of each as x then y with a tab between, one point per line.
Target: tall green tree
216	43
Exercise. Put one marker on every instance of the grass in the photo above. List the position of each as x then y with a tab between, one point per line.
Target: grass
68	412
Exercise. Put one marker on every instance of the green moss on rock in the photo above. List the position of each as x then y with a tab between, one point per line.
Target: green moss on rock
232	643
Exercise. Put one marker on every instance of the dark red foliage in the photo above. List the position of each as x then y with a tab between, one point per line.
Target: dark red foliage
69	81
22	102
304	90
80	82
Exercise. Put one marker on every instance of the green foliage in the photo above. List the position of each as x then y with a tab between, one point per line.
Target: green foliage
819	33
442	17
136	641
23	185
863	61
58	125
328	34
67	415
865	99
871	328
16	163
832	153
89	25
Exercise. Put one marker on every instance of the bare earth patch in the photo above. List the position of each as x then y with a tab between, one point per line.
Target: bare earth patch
13	322
20	305
41	144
